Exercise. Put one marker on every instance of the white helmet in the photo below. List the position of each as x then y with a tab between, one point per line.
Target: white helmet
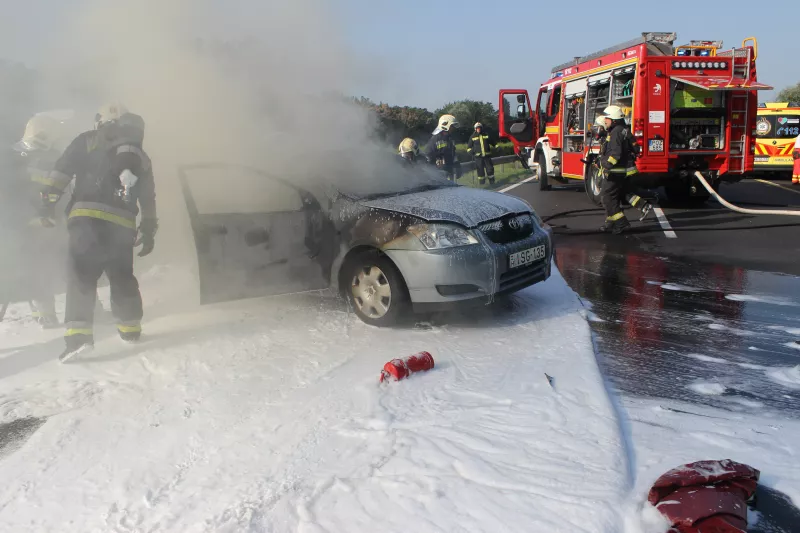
408	145
109	113
600	121
477	125
614	112
44	131
446	122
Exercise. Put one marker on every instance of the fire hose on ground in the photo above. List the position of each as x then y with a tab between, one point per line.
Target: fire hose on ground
721	200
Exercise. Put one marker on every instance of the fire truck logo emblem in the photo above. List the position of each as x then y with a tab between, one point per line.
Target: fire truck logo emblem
657	89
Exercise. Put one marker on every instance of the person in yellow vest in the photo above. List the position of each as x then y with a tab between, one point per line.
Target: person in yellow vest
796	156
480	146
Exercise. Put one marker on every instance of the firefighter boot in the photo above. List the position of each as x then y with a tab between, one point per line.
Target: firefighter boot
481	181
491	180
646	208
795	180
130	336
75	348
615	224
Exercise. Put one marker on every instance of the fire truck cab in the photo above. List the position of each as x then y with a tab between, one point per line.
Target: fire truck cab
690	107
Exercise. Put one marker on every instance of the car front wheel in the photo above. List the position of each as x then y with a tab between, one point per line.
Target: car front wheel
376	289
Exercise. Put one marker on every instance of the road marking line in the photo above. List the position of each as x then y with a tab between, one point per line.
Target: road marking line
517	184
784	187
662	219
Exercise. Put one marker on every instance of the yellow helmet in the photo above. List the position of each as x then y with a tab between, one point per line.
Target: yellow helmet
613	112
109	113
408	145
447	121
44	130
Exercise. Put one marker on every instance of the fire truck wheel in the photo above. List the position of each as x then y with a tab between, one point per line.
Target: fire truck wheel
376	289
593	184
543	184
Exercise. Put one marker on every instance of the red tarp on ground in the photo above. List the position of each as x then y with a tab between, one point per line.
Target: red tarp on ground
706	496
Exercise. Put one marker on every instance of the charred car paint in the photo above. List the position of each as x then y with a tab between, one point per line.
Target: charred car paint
258	235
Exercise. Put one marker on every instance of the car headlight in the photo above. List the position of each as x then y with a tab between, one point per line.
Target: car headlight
438	236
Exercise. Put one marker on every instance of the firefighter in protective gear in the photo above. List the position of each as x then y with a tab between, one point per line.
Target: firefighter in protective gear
441	150
796	156
112	175
600	134
617	164
38	246
408	150
480	146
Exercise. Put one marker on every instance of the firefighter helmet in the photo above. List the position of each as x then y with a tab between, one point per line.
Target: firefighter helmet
44	131
477	125
109	113
614	112
447	121
600	121
408	145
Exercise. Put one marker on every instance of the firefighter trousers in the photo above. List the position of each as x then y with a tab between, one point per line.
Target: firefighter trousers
485	167
97	246
613	190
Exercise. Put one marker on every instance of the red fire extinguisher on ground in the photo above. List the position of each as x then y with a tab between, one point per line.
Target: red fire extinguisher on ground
402	368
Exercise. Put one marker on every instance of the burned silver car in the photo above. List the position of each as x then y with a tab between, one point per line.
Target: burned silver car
415	240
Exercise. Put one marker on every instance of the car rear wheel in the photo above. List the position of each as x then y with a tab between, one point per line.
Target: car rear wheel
376	289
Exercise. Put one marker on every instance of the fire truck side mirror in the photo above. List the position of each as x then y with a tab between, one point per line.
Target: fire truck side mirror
520	98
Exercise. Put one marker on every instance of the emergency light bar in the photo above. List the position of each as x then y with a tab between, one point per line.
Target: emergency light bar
700	64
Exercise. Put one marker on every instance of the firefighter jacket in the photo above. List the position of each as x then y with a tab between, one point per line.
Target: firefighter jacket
441	146
97	160
480	145
617	156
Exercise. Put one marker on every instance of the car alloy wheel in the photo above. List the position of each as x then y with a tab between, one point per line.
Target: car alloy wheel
372	292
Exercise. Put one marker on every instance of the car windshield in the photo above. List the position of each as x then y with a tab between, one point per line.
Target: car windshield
391	178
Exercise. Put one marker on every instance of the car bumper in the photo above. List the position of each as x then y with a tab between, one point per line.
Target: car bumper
440	279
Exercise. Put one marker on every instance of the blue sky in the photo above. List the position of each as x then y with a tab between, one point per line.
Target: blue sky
429	52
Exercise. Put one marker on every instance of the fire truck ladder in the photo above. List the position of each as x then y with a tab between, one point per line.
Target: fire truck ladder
740	103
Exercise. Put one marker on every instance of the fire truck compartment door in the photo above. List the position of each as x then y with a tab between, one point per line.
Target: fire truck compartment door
722	84
575	87
597	79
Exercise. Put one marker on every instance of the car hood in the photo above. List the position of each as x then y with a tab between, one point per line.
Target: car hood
462	205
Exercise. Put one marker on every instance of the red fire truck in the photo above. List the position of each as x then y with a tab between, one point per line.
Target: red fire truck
690	107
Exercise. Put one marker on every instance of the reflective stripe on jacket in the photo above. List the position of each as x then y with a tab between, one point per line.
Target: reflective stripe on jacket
479	144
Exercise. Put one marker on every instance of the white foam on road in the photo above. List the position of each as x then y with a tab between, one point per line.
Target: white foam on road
706	358
788	377
677	287
670	434
267	416
708	388
772	300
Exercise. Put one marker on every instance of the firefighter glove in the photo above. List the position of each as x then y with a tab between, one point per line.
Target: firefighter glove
147	236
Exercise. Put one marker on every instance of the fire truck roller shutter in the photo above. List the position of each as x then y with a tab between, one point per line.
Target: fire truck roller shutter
576	87
598	79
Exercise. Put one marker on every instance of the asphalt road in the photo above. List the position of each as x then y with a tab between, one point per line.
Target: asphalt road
701	306
709	314
711	233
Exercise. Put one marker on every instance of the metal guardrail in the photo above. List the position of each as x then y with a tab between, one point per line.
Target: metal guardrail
469	166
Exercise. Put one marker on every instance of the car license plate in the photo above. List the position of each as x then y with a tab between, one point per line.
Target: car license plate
526	257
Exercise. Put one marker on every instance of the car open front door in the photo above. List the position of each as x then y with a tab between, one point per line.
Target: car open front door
517	120
255	235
